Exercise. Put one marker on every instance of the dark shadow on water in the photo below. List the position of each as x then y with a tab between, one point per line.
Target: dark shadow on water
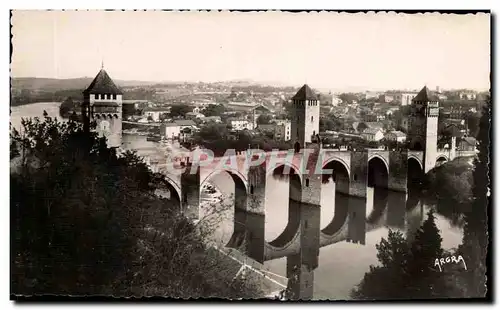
340	215
292	226
380	199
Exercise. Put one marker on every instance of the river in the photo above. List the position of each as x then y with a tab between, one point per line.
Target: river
341	265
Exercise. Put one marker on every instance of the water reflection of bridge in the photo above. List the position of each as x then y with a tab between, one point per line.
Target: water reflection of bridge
352	172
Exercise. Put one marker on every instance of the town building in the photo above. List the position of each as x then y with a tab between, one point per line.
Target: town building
173	130
406	98
283	130
386	98
138	103
241	106
215	119
467	144
240	123
154	113
396	136
467	95
372	134
102	104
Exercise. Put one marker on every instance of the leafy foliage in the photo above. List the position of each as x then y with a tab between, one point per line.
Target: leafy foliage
214	110
85	220
475	241
179	110
407	271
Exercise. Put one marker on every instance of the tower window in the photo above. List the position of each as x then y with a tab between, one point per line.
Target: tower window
307	182
96	96
108	96
114	96
312	119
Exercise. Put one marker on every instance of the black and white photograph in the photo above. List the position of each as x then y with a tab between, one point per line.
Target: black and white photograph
250	155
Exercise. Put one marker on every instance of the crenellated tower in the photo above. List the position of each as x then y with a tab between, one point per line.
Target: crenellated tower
102	104
423	127
305	119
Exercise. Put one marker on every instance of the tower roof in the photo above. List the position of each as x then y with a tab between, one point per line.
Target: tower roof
425	95
305	93
103	84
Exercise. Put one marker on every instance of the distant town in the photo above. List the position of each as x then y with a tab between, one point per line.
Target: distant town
248	113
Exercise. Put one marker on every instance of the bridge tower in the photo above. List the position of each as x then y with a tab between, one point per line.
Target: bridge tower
305	118
423	129
102	104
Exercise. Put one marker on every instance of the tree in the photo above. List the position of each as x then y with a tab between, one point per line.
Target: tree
179	110
475	241
408	271
214	110
86	221
264	119
392	255
472	120
426	279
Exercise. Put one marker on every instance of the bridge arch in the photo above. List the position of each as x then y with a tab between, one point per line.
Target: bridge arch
291	230
173	188
236	215
238	178
378	183
382	158
341	180
441	159
340	161
419	162
279	169
415	173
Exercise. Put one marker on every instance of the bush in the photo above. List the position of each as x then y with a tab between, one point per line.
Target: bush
85	221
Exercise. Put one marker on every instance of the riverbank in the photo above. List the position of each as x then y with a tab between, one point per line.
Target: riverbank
449	187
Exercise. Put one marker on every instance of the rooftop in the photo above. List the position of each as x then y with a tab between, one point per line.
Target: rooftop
371	130
157	109
425	95
102	84
180	122
305	93
398	133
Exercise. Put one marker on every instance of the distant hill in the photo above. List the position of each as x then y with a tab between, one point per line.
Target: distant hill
48	84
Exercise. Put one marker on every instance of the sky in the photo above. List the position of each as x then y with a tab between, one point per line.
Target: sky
327	50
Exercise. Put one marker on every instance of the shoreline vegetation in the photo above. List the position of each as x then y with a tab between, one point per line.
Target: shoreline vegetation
66	186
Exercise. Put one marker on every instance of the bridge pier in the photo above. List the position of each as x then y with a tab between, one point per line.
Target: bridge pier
301	266
190	191
357	200
398	171
255	213
396	209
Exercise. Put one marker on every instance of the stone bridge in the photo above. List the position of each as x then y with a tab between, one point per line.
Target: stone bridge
352	171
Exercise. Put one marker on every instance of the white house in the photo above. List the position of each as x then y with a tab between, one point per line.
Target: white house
372	134
155	112
396	136
172	130
406	98
283	129
240	124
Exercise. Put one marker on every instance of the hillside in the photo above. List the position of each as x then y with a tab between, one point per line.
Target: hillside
48	84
